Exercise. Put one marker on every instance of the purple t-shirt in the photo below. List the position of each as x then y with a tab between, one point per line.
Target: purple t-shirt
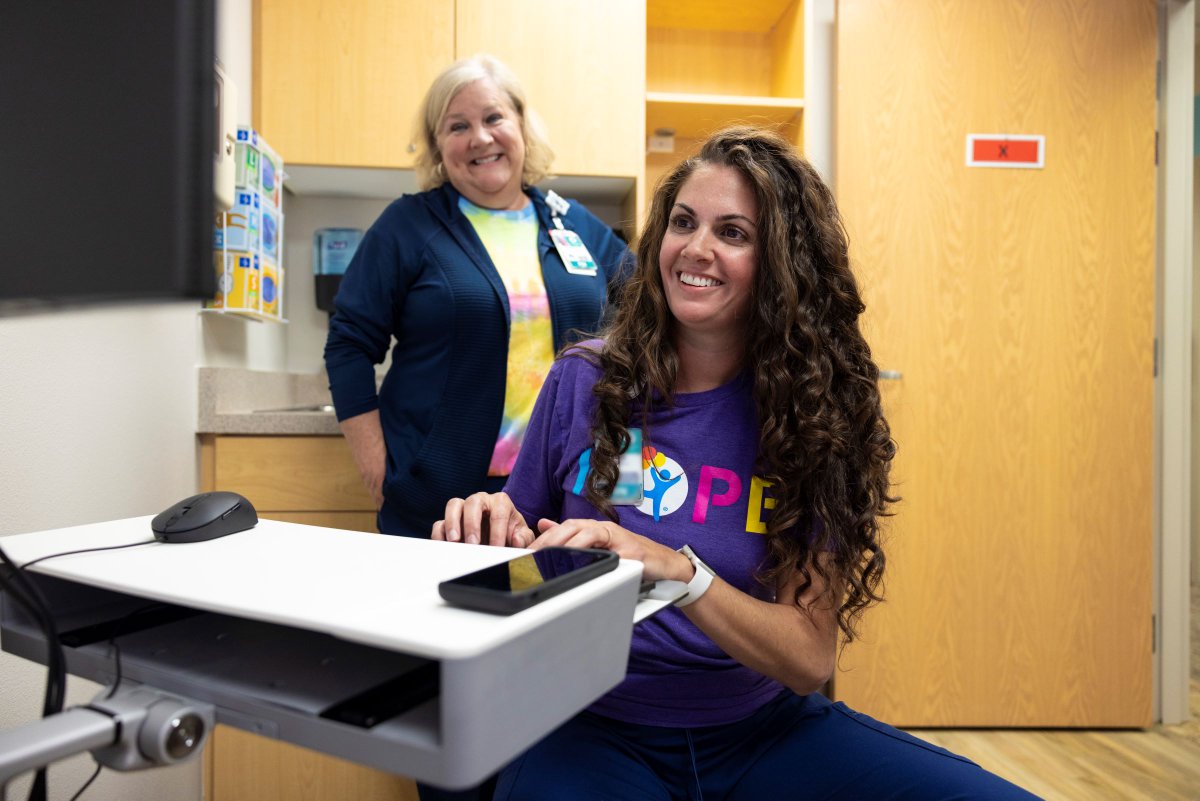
698	463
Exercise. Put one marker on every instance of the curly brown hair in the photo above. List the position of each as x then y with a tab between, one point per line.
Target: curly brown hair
824	445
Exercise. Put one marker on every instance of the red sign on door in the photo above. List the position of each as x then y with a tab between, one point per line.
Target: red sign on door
1006	150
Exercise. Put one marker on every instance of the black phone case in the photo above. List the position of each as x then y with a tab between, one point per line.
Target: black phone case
507	603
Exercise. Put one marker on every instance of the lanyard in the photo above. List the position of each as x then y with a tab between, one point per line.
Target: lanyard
574	254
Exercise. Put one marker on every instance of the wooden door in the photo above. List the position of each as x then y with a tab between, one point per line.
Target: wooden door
340	83
583	66
1018	305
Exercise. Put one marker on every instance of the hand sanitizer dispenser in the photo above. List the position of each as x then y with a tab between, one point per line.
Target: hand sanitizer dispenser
332	250
225	101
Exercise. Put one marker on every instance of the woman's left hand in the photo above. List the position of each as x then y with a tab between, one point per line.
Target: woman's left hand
659	561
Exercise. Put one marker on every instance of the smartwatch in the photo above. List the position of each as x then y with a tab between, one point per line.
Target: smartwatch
700	582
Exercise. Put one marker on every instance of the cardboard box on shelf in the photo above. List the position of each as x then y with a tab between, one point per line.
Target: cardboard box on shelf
271	233
272	289
245	165
239	228
238	281
259	167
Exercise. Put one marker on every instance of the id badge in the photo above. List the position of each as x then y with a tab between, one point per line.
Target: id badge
573	252
628	491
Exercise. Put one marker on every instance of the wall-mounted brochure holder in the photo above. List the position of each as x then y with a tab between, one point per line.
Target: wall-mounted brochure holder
248	237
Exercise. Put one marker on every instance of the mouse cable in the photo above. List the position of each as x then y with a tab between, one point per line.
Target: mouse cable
18	586
116	646
112	641
31	562
26	594
88	783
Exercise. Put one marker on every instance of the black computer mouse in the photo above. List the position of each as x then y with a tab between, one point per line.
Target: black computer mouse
204	517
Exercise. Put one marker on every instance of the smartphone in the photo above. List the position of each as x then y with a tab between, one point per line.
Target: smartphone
522	582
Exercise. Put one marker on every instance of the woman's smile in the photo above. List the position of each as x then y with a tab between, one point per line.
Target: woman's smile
709	253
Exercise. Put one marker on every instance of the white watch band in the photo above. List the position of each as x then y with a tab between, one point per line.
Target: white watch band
700	582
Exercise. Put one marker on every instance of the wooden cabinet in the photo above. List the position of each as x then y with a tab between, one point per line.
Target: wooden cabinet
710	64
339	83
582	64
300	479
247	767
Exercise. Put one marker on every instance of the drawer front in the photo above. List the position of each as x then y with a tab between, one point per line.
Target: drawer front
292	474
247	767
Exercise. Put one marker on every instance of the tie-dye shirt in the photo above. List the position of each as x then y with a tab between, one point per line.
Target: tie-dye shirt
510	238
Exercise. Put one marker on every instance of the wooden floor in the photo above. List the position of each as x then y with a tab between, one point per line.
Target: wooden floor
1159	764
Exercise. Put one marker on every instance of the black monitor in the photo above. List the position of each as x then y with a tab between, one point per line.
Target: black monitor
107	135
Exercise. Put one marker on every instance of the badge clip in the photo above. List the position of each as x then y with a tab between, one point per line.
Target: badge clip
628	491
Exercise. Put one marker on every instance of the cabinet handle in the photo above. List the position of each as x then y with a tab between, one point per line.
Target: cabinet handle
890	375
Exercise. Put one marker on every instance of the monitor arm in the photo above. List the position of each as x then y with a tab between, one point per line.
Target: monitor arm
133	728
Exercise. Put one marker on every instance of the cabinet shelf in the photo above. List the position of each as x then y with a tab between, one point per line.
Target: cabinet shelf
693	116
248	314
388	184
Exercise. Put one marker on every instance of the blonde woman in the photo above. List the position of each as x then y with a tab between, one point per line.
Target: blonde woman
481	278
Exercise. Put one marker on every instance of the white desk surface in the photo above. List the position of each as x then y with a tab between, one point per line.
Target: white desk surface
367	588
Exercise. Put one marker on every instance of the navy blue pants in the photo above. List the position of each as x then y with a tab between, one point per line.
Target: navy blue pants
795	747
402	520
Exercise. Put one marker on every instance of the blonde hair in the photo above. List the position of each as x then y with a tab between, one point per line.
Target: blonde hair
538	154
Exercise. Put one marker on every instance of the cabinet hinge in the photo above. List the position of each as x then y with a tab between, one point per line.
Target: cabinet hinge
1155	357
1154	634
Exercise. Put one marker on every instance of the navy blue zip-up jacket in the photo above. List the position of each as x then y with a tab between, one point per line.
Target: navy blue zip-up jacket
422	275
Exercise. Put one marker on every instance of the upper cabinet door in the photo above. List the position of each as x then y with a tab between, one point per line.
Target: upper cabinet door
339	83
583	66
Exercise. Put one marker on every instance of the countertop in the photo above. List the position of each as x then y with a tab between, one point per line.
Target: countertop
230	400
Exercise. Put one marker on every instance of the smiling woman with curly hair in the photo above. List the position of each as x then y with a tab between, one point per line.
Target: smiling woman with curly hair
824	445
736	361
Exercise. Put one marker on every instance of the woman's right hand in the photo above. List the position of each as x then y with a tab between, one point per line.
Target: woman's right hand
483	518
364	434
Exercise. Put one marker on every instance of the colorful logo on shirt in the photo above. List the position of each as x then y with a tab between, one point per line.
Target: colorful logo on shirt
665	488
664	484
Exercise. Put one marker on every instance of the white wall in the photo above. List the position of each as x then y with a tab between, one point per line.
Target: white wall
308	325
1195	363
1196	329
97	422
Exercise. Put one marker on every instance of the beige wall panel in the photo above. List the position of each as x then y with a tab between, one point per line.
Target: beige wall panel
787	48
716	15
583	65
253	768
708	62
1019	307
291	473
1196	366
339	83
